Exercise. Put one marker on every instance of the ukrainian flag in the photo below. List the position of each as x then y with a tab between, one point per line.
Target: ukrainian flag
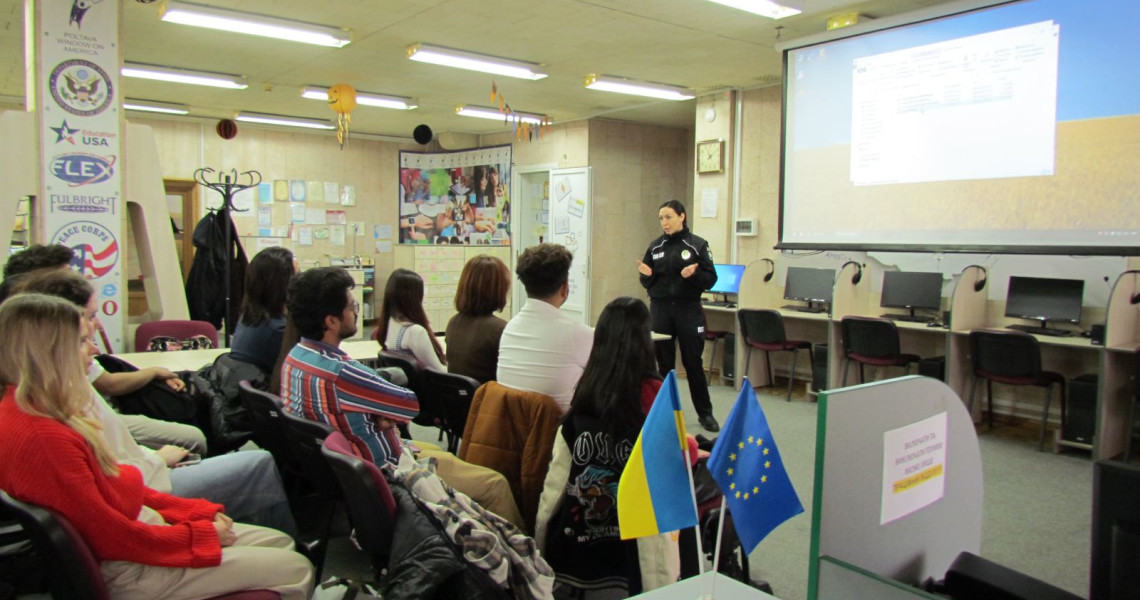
655	493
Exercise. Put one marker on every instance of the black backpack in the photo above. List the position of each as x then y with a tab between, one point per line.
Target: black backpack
155	399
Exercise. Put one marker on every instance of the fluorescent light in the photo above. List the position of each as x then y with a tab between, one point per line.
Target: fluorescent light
268	119
233	21
483	112
474	62
316	92
766	8
222	80
169	108
637	88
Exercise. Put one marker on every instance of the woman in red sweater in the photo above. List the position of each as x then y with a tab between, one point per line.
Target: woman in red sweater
150	544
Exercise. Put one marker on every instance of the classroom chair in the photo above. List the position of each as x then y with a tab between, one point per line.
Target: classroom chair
1012	358
306	438
369	500
764	330
74	573
871	341
450	396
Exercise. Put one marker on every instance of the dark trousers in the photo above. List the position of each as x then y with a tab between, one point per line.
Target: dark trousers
684	320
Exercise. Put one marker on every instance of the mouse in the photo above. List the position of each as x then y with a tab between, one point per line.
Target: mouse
934	324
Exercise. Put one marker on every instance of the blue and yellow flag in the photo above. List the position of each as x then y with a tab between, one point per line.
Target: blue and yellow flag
655	493
746	464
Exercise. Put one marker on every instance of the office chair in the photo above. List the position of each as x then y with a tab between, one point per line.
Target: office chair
179	330
306	438
764	330
875	342
367	497
450	396
74	573
1012	358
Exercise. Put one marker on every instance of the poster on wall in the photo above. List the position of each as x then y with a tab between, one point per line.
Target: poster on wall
77	76
456	197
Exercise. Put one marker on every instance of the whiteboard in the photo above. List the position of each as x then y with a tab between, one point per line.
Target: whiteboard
570	209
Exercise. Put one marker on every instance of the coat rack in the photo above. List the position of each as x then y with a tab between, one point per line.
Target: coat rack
227	184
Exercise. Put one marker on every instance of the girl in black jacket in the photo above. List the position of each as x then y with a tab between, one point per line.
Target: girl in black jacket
676	270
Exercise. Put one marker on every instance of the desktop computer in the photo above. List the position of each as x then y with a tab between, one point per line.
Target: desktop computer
1080	414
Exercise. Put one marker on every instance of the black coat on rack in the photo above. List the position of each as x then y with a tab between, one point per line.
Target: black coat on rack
206	285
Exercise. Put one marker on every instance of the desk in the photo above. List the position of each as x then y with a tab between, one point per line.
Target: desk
191	360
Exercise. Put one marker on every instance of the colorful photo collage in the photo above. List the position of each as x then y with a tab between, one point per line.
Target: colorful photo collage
455	198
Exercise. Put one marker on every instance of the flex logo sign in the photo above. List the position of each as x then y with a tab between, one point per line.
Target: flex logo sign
78	168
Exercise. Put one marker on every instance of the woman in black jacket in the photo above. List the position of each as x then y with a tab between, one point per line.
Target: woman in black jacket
676	270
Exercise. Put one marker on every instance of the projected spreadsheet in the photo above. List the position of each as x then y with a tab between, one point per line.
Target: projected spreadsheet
978	107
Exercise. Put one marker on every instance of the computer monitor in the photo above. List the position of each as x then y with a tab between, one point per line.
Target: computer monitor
727	279
1044	300
912	290
1115	531
809	285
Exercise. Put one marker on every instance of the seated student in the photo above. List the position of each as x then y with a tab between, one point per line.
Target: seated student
473	334
149	544
257	337
404	327
150	432
577	525
543	350
246	482
321	383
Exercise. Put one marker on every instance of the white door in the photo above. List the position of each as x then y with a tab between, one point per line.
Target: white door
529	219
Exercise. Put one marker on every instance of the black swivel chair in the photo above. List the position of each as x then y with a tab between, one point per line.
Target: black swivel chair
1012	358
450	395
764	330
875	342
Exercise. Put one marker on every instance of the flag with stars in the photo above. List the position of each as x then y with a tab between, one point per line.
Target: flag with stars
746	464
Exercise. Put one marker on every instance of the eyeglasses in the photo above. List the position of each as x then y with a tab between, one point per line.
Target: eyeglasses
355	307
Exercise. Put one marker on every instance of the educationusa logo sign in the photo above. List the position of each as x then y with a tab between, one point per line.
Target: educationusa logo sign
78	168
87	137
94	249
80	87
78	203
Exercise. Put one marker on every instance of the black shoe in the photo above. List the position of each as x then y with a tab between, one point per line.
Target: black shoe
709	423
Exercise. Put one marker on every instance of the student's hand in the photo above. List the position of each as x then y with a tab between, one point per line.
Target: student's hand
644	269
224	527
689	270
172	455
169	378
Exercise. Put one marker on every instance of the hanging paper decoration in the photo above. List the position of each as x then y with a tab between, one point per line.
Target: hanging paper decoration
523	131
342	99
227	129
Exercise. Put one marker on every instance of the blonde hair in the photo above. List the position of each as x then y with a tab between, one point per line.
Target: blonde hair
42	338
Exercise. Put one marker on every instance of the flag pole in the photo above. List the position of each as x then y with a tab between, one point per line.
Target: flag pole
716	553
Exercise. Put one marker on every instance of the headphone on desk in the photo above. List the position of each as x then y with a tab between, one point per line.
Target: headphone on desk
981	283
858	276
772	271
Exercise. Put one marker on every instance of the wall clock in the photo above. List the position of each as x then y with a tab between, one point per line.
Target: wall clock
710	156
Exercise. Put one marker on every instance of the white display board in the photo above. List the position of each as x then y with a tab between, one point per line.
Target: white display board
570	215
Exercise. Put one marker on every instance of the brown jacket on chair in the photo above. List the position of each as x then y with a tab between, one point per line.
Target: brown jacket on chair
512	432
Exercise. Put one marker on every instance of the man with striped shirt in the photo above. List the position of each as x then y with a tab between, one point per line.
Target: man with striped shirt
321	383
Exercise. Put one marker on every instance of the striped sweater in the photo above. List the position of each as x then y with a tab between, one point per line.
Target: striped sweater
321	383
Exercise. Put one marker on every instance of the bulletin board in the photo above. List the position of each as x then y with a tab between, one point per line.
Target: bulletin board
456	197
570	214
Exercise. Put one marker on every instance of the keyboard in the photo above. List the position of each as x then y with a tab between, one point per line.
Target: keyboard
720	303
1034	329
803	309
907	318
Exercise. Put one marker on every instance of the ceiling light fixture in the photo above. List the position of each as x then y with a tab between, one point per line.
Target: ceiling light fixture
638	88
268	119
316	92
234	21
483	112
169	108
222	80
766	8
474	62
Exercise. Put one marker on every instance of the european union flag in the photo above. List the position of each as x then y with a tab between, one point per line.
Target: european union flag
746	464
655	492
